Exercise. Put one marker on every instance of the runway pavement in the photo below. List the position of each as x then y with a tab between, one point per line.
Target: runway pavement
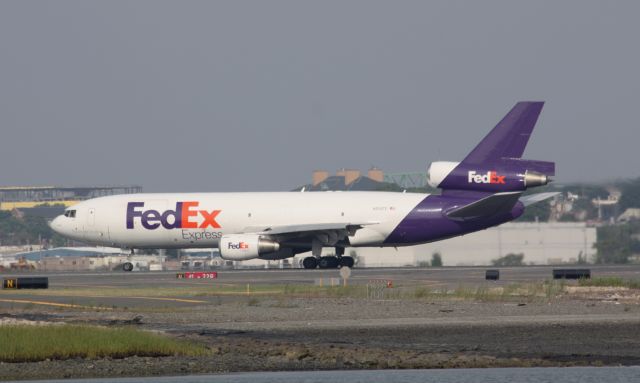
163	289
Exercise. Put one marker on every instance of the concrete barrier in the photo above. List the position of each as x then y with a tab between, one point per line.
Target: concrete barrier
571	273
492	275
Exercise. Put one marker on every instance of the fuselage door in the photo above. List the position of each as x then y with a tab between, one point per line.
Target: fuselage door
92	232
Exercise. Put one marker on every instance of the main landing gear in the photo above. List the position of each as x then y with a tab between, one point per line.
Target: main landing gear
310	263
329	262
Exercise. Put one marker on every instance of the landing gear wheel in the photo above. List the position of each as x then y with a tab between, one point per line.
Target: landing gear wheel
310	263
347	262
127	266
328	262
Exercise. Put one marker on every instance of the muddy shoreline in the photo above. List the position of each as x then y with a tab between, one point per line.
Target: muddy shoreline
329	334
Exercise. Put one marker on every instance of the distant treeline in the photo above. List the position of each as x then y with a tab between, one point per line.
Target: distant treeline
16	230
630	198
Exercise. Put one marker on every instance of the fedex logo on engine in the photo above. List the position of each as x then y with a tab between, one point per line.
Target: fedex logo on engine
185	216
488	178
238	246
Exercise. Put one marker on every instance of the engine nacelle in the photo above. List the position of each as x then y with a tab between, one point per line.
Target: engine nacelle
507	174
240	247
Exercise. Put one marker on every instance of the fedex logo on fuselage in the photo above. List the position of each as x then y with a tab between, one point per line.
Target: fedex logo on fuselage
185	216
490	177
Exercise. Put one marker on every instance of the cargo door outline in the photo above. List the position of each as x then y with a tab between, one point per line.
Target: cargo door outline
90	229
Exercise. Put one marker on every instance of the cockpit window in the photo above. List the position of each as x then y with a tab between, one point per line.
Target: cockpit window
70	213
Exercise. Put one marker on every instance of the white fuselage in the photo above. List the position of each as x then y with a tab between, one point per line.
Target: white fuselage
150	220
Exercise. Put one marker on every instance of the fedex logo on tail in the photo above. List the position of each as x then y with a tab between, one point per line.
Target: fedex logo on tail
490	177
185	216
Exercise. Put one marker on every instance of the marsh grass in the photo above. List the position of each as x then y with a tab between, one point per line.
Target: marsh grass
26	343
541	290
530	292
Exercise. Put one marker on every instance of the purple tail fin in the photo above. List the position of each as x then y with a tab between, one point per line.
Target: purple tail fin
496	164
509	138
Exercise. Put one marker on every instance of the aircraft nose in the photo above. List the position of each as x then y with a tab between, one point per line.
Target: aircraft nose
56	224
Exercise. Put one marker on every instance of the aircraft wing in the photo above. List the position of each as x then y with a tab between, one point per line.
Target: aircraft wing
485	207
327	233
306	228
535	198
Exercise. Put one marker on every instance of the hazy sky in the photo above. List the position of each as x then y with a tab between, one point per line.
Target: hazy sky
255	95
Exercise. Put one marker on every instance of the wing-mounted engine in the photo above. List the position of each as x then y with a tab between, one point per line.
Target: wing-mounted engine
240	247
284	241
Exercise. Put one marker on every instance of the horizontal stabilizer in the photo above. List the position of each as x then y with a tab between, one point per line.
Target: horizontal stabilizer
535	198
494	204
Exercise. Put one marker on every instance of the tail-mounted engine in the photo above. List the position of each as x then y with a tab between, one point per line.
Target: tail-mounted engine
507	174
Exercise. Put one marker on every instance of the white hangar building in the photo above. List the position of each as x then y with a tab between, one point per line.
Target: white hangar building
541	244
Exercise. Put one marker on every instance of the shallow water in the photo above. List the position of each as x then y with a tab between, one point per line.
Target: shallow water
488	375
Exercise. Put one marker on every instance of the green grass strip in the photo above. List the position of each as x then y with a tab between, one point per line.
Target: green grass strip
25	343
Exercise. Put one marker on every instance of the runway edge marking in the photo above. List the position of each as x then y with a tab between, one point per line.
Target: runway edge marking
55	304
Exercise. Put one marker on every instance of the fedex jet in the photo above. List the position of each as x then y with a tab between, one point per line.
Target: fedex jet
483	190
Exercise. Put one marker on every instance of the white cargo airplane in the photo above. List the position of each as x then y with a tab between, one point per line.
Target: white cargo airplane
482	191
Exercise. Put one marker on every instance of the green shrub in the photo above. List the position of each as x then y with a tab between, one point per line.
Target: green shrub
26	343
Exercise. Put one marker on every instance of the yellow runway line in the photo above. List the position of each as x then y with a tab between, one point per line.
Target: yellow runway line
55	304
90	286
114	297
172	299
150	298
214	293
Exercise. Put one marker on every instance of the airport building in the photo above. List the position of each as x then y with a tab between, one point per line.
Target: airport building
84	259
20	197
545	243
101	263
373	180
345	179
